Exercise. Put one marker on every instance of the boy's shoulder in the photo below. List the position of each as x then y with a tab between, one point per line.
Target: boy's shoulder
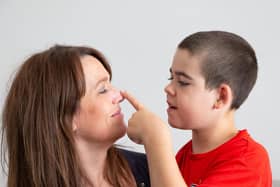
241	145
239	156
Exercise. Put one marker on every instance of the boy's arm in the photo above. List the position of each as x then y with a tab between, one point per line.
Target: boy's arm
146	128
163	167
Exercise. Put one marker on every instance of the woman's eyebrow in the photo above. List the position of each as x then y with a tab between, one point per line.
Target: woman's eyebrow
103	79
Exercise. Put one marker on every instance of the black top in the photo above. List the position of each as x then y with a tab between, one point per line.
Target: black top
139	167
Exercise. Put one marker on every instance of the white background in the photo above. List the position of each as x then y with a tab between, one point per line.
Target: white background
139	39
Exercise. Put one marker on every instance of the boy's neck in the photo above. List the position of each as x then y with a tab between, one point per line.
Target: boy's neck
205	140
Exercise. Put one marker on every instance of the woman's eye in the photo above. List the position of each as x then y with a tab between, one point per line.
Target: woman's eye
102	90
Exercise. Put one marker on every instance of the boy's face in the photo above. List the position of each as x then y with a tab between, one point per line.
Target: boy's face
190	104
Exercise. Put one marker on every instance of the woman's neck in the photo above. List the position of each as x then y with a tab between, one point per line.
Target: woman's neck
93	160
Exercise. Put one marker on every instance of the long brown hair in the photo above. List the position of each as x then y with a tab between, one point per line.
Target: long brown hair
37	122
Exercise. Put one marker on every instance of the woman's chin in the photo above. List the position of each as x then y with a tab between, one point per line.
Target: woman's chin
121	130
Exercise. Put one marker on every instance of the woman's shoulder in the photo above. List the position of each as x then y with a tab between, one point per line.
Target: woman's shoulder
139	166
133	156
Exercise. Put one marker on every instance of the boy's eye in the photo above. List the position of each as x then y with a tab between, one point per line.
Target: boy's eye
182	83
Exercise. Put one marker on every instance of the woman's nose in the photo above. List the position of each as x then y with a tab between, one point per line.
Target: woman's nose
117	97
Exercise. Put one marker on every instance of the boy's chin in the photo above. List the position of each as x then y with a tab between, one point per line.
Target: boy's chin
176	125
172	123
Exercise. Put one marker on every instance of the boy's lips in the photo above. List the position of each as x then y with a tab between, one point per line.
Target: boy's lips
171	106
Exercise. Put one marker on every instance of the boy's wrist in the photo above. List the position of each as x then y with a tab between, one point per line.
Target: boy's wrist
155	141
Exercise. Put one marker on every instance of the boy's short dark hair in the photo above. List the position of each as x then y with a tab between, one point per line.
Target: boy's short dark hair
225	58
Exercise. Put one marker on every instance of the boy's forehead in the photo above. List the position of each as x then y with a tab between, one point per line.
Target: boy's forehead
186	63
182	53
184	59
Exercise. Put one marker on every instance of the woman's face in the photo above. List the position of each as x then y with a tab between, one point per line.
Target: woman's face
98	118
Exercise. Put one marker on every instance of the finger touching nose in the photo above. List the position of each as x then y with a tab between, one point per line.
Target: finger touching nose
133	101
117	97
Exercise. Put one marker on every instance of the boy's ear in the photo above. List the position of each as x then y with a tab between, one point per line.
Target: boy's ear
224	96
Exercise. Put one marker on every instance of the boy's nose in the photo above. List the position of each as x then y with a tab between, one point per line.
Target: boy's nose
117	97
169	90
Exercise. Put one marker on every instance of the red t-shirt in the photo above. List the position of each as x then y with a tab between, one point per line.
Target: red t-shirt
239	162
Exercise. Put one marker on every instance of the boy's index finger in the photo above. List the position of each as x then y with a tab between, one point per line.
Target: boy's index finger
136	104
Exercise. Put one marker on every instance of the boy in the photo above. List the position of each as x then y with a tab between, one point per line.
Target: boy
211	75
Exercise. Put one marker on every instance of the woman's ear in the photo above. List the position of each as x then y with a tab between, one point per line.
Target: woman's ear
75	122
224	97
74	127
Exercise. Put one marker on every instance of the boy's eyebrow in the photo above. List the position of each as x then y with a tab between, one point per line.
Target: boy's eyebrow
181	73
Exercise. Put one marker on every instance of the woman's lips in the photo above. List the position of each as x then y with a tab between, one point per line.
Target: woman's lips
117	113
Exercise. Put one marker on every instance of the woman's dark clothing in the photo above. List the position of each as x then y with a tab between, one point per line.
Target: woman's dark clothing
139	167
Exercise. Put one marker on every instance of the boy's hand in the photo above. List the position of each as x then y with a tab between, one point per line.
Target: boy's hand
144	127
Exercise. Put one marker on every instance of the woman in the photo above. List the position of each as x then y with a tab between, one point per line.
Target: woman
61	119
